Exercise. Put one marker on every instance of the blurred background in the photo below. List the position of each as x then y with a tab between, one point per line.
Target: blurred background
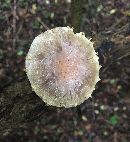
105	117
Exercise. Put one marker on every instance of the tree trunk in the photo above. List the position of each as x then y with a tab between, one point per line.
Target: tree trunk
76	14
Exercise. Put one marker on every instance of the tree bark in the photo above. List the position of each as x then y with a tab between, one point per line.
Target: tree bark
18	105
76	14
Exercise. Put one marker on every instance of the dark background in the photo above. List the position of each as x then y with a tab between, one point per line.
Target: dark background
105	117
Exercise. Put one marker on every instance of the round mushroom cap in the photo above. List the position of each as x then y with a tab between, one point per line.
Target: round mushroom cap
62	67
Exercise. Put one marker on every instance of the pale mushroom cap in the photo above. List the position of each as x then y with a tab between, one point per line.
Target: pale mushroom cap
62	67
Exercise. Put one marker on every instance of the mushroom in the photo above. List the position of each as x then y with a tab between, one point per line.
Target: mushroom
62	67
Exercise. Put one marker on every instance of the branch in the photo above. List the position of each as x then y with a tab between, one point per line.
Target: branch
18	105
76	14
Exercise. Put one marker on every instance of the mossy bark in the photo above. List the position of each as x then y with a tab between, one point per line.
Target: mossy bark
76	14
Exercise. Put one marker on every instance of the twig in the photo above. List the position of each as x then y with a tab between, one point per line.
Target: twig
18	40
93	108
116	24
42	23
115	136
14	25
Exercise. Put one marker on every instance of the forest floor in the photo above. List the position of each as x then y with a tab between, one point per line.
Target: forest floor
105	117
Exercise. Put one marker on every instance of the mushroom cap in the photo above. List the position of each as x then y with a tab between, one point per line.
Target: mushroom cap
62	67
